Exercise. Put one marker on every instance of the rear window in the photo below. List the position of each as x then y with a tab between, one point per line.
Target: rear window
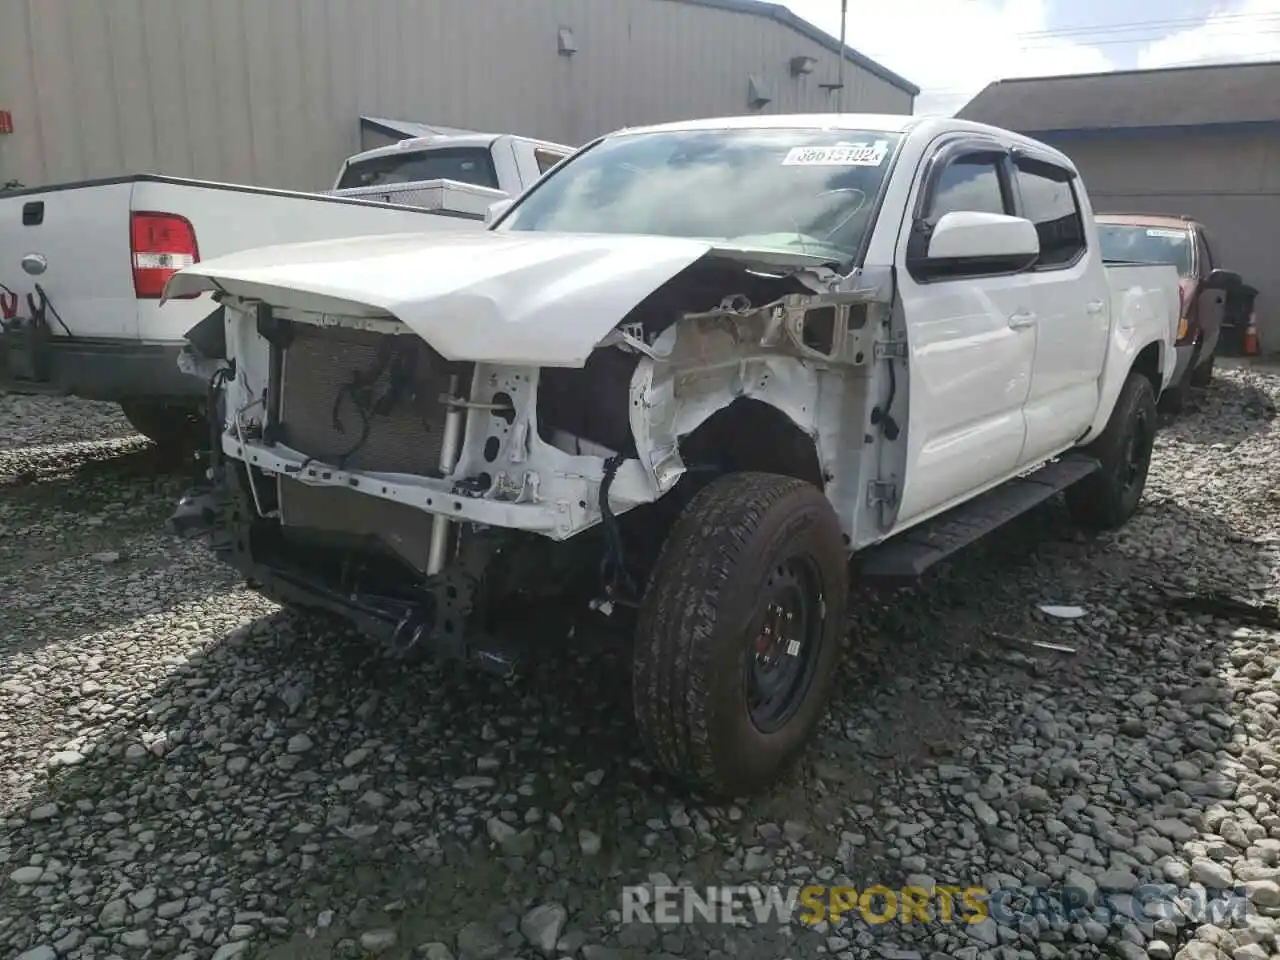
472	165
1142	244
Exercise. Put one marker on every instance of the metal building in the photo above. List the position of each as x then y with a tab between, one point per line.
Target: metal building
1201	141
272	92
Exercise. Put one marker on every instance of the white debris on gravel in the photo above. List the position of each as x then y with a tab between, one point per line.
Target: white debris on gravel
186	770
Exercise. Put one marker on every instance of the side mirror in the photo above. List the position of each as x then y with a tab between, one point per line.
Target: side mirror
497	209
982	238
1219	279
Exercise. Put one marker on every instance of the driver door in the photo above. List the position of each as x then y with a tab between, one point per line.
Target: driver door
972	345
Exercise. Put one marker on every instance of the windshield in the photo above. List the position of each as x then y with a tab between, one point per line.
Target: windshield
807	191
1142	244
471	165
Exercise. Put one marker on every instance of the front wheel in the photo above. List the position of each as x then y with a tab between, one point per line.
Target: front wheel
174	427
739	632
1106	499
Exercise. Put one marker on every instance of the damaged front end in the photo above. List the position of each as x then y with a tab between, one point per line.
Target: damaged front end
358	470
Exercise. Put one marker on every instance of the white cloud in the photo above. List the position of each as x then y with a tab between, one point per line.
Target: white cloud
952	49
1249	31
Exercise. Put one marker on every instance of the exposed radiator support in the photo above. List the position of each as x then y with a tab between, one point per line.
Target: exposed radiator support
450	447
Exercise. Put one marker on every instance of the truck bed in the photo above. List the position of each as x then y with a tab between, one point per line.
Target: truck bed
102	331
451	197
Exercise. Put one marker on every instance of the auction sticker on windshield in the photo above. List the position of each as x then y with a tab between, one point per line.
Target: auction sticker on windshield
839	155
1167	234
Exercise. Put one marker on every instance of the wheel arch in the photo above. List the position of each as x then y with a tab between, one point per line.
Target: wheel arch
753	435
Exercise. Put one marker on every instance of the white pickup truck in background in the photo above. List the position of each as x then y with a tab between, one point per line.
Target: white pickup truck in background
694	369
82	265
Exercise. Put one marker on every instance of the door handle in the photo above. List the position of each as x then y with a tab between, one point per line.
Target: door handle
1023	318
1094	306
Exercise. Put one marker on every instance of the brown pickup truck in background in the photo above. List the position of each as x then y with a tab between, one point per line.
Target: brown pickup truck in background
1185	243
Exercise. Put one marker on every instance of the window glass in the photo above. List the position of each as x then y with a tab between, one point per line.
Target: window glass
1050	203
1136	243
546	159
806	191
968	183
1206	253
471	165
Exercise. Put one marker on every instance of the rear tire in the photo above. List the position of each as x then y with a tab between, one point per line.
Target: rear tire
739	632
171	426
1106	499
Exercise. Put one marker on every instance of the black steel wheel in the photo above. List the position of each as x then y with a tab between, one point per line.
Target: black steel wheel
787	637
1108	498
739	632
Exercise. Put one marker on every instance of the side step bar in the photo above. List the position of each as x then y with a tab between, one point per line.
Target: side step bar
904	558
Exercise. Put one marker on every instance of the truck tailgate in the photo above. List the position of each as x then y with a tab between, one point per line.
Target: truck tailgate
82	232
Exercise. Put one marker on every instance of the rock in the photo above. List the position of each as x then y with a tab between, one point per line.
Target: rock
479	941
42	952
985	932
1198	950
588	842
1175	830
299	743
434	951
1215	876
143	898
355	758
46	811
378	941
1262	893
474	783
542	926
113	914
232	949
136	939
1117	880
1032	798
27	875
513	842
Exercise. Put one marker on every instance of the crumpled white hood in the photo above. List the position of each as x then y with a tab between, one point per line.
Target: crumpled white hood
518	298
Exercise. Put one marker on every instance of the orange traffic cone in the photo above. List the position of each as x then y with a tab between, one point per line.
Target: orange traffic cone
1251	348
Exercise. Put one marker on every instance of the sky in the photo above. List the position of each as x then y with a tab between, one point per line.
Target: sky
951	49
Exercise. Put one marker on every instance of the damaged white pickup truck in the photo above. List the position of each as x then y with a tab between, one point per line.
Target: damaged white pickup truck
707	363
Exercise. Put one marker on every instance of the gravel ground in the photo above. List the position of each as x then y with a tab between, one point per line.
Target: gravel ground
186	770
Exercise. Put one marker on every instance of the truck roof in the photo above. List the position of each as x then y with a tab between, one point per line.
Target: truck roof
1174	221
416	144
869	122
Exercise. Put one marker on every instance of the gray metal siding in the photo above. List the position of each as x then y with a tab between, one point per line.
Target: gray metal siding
1231	185
269	91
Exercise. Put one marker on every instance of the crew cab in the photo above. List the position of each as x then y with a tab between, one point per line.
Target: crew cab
82	265
697	368
1202	285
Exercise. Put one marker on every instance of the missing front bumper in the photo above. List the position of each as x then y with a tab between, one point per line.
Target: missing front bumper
437	616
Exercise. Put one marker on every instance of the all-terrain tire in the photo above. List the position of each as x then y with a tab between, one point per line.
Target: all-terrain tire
173	427
699	633
1106	499
1202	375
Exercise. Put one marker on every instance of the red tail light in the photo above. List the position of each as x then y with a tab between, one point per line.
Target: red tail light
162	244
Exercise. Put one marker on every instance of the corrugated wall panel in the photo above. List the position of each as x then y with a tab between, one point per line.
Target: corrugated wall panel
1233	187
270	91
